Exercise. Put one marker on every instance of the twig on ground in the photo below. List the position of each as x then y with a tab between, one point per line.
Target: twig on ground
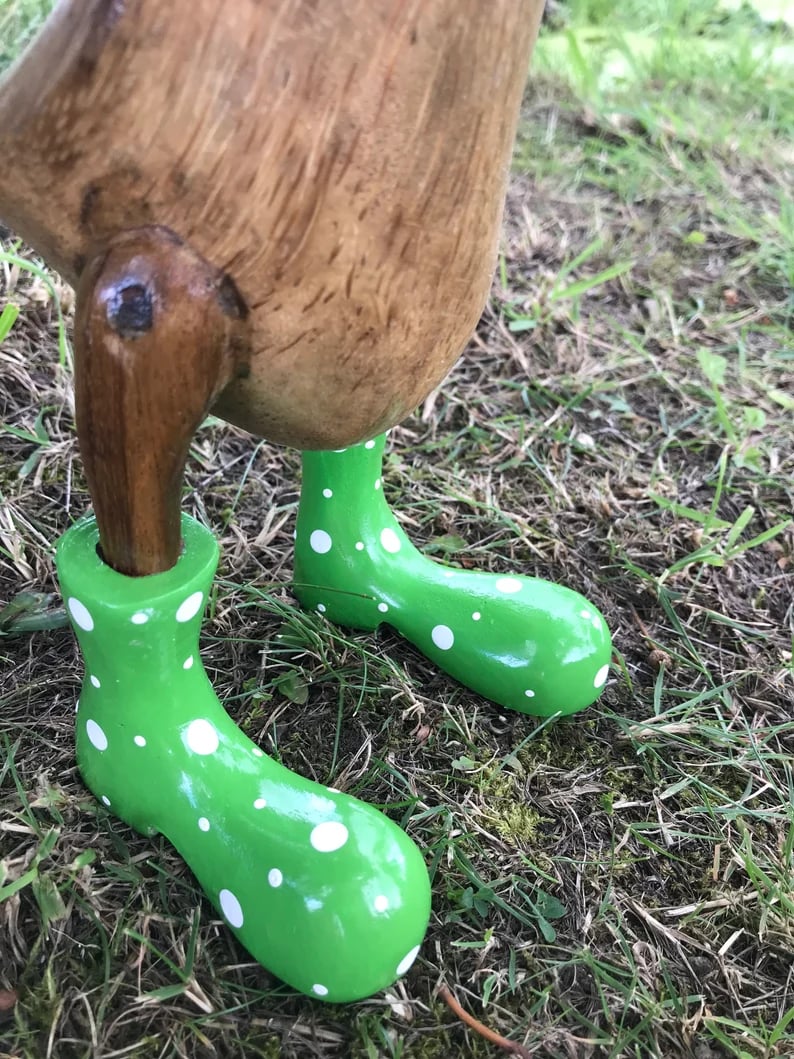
481	1028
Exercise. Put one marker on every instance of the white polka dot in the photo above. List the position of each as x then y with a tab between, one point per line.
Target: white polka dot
333	790
321	990
383	607
407	961
443	637
595	621
601	677
95	681
377	483
188	663
139	740
328	493
359	546
204	824
320	542
329	836
321	608
190	608
390	540
201	737
508	584
476	616
79	612
230	907
105	799
449	573
259	803
530	694
274	877
96	735
369	444
312	904
584	614
139	618
380	903
257	752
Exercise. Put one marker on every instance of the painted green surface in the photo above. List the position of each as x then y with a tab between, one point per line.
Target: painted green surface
325	891
523	642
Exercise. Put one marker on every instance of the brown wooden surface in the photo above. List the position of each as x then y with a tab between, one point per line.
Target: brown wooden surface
158	334
344	162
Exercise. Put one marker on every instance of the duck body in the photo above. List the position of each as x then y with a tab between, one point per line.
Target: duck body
344	165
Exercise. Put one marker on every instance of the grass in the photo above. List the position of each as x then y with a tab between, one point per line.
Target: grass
19	20
617	885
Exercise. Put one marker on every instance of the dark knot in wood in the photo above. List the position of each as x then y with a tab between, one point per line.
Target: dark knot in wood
130	309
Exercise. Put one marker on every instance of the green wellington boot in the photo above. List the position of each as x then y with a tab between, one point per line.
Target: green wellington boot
323	890
525	643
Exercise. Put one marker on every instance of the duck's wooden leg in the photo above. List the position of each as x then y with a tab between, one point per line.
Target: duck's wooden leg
158	334
325	891
525	643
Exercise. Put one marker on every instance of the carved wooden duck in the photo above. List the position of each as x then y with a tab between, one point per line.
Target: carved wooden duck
285	211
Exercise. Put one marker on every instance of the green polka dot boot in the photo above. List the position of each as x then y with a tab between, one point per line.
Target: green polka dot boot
323	890
524	643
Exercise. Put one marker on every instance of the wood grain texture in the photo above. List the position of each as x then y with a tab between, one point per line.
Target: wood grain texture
158	334
344	163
